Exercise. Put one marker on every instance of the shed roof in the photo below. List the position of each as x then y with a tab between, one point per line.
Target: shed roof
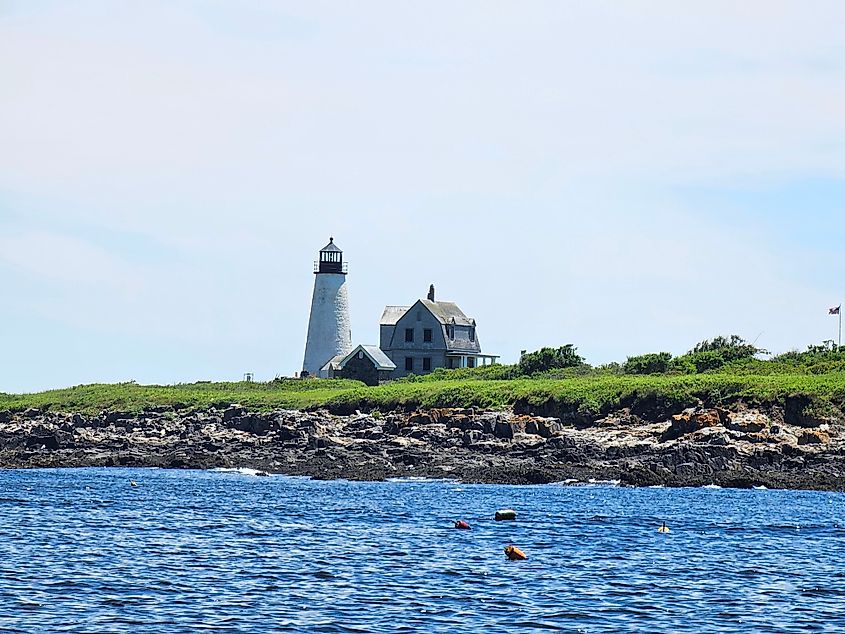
333	363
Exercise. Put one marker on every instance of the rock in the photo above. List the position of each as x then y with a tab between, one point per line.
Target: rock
48	441
690	469
503	429
232	412
420	418
691	420
814	437
799	411
113	417
747	422
250	423
539	426
471	437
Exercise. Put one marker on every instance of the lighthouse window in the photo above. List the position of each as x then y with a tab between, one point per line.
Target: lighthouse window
409	334
427	335
409	363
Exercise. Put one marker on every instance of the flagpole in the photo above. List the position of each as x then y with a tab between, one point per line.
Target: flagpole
839	347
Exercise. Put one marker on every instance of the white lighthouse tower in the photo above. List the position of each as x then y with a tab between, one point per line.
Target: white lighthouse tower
329	333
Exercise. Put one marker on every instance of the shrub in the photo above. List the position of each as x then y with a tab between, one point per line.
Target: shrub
652	363
546	359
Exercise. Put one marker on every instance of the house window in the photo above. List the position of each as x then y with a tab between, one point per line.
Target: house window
450	332
427	335
360	355
472	334
409	363
470	362
409	334
427	364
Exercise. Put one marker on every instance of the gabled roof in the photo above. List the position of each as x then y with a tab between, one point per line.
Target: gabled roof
376	355
447	313
444	312
392	314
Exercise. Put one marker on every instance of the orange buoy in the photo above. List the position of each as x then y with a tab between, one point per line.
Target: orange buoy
515	554
461	524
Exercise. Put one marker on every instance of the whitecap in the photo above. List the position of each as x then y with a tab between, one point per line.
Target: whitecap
240	470
613	483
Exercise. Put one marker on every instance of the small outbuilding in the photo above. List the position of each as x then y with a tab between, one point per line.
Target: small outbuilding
365	363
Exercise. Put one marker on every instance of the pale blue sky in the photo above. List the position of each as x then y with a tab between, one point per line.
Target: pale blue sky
625	176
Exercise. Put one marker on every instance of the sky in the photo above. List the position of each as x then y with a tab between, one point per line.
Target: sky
626	176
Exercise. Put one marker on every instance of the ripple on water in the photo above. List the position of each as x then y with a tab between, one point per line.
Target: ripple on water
228	551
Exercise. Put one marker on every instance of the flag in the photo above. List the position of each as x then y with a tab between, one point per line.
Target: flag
834	310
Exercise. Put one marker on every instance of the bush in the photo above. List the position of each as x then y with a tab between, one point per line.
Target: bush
652	363
546	359
712	354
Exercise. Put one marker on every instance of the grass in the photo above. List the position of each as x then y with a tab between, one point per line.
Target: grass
131	397
589	396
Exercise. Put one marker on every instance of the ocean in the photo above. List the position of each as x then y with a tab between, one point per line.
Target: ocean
83	550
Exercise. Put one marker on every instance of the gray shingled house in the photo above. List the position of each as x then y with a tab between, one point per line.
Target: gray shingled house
364	363
430	335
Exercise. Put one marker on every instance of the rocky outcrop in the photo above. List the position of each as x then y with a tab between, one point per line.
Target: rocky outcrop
637	446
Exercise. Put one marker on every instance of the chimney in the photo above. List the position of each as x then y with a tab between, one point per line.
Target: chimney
431	293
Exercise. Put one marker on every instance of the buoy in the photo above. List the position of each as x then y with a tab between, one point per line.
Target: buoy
133	483
663	529
505	514
515	554
461	524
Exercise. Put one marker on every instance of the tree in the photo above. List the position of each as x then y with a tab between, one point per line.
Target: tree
652	363
712	354
546	359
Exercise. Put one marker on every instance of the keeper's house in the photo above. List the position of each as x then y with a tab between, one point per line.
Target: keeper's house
429	335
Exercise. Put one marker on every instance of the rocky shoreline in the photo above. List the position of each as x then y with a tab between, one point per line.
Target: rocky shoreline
744	447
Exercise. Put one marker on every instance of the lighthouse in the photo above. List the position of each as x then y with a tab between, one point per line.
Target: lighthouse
329	333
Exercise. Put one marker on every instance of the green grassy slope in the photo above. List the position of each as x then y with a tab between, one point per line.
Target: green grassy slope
590	396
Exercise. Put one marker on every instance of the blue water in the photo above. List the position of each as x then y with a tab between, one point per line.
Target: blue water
83	551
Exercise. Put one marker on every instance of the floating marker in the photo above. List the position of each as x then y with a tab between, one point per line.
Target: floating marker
462	524
515	554
505	514
663	529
